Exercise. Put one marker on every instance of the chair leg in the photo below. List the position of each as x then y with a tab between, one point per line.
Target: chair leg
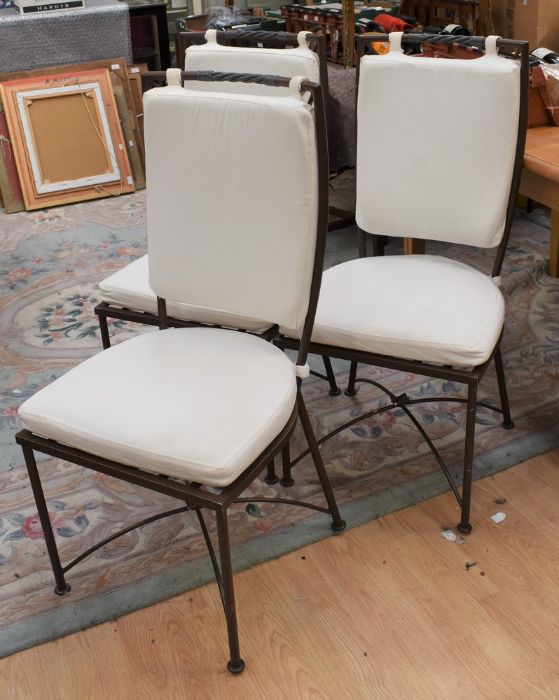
464	524
554	244
334	389
378	245
61	586
337	523
104	328
235	663
286	478
351	388
362	243
271	476
508	423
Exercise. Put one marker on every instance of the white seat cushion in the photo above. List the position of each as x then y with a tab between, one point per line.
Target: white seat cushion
417	307
195	403
129	288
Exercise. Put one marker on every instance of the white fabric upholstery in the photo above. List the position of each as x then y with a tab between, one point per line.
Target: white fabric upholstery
417	307
285	62
129	288
243	241
194	403
436	145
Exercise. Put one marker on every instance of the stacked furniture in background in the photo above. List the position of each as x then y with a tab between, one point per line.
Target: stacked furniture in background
440	13
338	23
149	33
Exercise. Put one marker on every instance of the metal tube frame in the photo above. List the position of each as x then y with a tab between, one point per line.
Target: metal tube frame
194	495
470	378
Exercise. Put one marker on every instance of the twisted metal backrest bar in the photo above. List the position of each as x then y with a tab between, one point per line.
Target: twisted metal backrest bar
261	39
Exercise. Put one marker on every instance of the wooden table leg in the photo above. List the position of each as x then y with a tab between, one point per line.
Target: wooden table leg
545	191
554	244
414	246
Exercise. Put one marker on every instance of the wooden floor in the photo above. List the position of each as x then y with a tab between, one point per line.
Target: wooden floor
387	610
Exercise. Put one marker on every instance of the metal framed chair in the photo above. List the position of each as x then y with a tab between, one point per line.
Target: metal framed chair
126	294
426	314
227	401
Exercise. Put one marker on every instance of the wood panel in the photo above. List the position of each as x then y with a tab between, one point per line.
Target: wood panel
70	153
135	83
131	136
545	191
10	190
386	610
414	246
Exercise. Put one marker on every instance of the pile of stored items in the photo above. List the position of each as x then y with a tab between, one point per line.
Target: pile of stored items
70	133
340	22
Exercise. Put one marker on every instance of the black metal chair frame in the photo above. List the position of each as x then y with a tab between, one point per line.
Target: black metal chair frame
469	378
194	495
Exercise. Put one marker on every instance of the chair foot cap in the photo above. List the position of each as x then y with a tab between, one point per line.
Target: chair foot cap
335	392
271	481
61	591
351	392
287	482
508	424
236	666
465	529
339	526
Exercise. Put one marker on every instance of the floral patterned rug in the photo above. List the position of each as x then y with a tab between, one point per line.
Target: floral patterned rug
50	263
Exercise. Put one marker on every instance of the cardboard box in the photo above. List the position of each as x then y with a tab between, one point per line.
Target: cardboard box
536	21
28	6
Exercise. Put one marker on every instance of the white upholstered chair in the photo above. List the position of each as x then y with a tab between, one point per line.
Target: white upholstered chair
439	153
198	413
126	293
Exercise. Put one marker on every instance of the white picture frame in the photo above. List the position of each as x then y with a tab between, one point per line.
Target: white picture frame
45	187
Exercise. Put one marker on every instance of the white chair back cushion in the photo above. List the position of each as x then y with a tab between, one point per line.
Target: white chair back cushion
436	143
299	61
232	201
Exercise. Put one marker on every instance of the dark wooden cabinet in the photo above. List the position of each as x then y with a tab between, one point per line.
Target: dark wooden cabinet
149	32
